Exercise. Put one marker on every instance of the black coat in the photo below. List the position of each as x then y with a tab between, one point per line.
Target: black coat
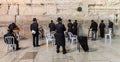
9	34
34	26
94	26
75	28
70	26
110	24
102	26
52	27
59	36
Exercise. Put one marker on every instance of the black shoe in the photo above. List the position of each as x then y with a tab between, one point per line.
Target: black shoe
18	48
38	45
87	51
58	51
64	52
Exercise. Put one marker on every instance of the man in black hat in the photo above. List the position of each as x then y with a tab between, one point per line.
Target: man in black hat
60	37
12	26
35	32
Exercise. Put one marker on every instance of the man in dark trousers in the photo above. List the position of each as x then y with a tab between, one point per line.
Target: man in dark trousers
75	27
70	26
94	26
110	25
9	33
35	32
59	36
102	29
52	26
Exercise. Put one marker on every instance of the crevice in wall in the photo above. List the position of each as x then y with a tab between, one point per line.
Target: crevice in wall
18	9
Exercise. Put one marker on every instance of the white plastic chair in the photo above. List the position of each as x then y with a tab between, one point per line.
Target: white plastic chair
9	40
108	35
52	33
72	37
49	38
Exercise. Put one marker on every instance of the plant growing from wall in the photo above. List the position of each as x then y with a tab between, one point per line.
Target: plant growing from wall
79	9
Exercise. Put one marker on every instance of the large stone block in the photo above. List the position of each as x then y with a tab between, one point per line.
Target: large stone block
13	10
25	10
15	1
32	10
91	1
39	10
42	2
3	9
67	6
51	9
24	1
68	11
3	31
7	18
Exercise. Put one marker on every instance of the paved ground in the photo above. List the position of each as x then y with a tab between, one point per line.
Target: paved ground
98	52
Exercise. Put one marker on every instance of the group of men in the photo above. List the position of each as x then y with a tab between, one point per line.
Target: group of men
72	27
94	27
59	28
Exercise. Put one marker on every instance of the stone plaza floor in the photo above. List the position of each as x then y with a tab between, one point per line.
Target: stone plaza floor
99	52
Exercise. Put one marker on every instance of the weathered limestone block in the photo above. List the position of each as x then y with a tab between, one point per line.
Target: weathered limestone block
67	6
101	2
8	1
69	11
39	10
51	9
39	2
13	10
7	18
113	2
3	9
32	10
14	1
23	1
67	2
25	10
50	2
91	1
3	31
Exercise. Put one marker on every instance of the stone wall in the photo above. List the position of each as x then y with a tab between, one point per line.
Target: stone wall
22	11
